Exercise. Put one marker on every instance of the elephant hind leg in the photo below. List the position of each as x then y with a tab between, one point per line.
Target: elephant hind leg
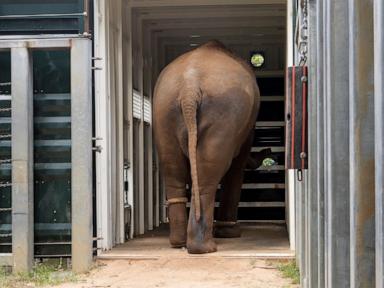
175	171
213	163
226	225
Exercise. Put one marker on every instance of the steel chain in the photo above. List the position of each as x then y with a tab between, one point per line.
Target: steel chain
303	43
5	136
5	109
5	235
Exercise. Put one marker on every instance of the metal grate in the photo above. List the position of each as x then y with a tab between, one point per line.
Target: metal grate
147	110
137	105
5	136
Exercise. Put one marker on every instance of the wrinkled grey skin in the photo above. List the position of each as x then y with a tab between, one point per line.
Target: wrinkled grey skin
205	106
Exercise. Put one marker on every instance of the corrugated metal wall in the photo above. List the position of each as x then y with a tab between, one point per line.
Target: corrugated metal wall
341	231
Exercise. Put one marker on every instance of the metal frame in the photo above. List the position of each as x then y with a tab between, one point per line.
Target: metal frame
379	138
22	148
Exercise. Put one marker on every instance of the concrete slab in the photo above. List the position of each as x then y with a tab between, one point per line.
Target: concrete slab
258	241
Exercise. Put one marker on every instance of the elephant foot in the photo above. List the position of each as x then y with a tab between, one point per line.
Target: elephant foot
208	246
226	231
178	235
177	225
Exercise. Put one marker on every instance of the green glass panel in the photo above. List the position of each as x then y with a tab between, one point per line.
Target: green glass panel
5	152
52	151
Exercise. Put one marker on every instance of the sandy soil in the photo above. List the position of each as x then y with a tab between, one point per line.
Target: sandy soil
183	273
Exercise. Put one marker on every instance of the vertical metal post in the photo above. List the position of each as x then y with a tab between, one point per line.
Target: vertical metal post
81	115
127	26
313	146
379	138
22	159
141	149
320	192
336	141
362	181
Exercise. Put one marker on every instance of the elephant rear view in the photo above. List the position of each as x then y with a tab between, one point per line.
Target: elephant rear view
205	106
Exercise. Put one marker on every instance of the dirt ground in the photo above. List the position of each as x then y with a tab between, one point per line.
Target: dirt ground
183	273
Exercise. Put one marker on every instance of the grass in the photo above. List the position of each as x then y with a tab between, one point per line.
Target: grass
289	270
48	273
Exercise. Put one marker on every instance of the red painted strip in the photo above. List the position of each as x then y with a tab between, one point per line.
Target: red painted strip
303	132
293	101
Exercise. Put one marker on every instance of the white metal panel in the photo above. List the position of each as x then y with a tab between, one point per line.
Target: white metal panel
147	110
102	122
137	105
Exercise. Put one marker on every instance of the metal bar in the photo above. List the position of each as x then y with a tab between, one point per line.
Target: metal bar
6	259
252	204
42	15
53	143
44	97
270	168
4	161
313	147
5	84
3	185
52	166
102	129
379	139
22	164
47	43
263	221
273	148
270	124
263	186
5	209
6	136
272	98
5	97
81	135
336	164
361	143
52	120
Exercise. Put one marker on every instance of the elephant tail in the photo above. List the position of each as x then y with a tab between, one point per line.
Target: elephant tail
190	99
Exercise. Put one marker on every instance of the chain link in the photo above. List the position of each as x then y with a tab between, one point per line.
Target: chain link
5	161
5	84
5	235
303	42
5	109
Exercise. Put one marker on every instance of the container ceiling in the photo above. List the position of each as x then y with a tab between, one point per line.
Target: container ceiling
195	24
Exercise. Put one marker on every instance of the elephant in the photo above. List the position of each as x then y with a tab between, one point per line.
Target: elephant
205	106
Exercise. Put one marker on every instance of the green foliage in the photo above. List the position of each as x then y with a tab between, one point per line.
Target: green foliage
289	270
267	162
48	273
